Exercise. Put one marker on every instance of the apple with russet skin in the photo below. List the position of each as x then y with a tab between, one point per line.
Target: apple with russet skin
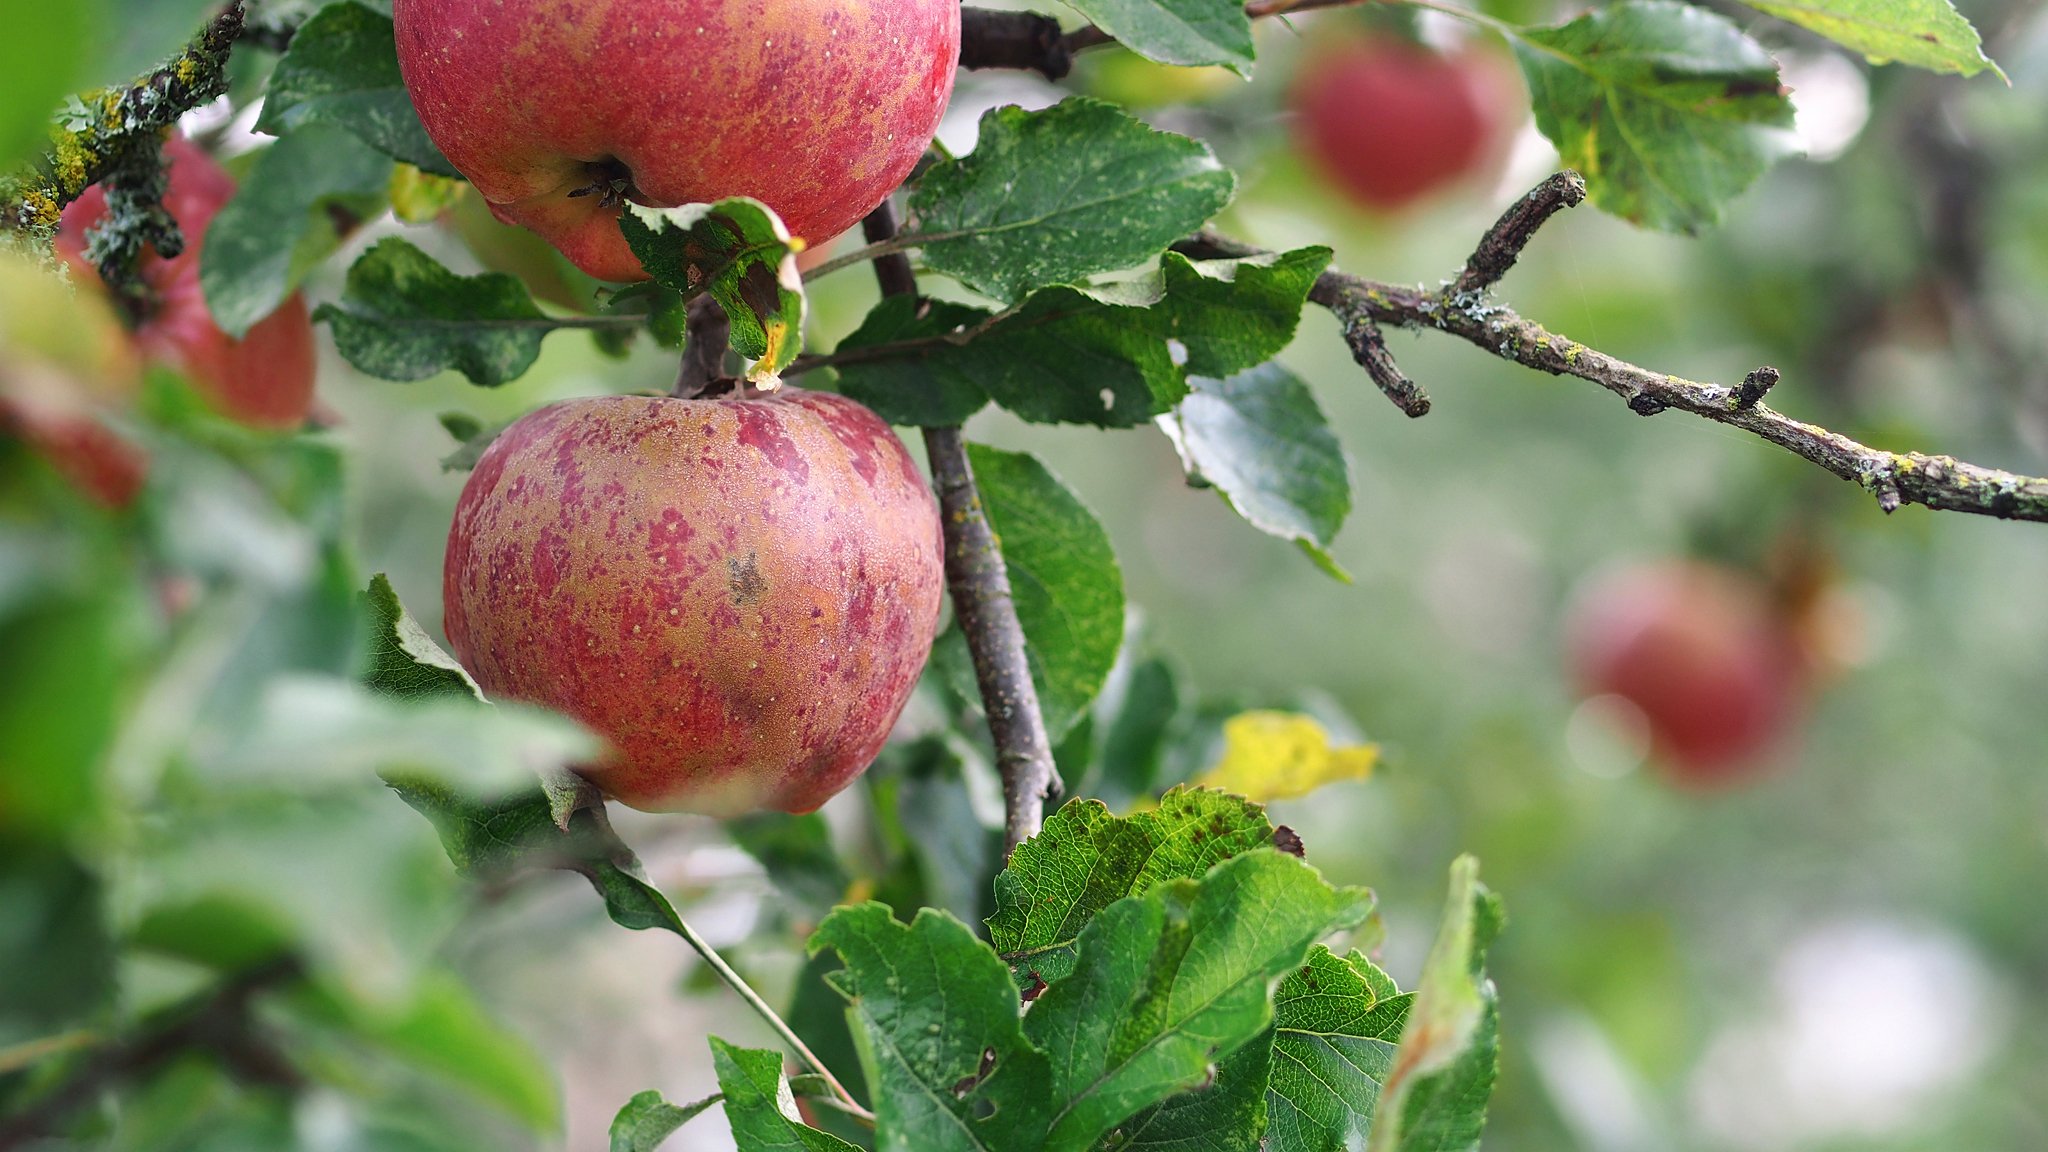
264	379
737	593
558	110
1706	656
1391	123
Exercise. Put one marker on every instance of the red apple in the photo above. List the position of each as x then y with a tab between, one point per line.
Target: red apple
65	366
737	593
265	379
1705	655
556	109
1391	122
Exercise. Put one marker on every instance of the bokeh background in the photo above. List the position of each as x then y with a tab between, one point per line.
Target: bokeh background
1849	951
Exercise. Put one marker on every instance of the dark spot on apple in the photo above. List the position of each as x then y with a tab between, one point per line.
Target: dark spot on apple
744	578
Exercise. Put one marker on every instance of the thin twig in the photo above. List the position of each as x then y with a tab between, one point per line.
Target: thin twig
1029	42
707	334
1895	478
218	1022
979	583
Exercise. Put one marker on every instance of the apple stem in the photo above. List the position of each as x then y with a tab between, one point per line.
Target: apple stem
979	584
745	991
707	334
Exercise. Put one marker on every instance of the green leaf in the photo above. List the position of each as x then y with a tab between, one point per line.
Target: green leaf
485	838
1168	981
797	853
1667	109
219	930
405	317
955	852
1434	1096
1236	314
1261	440
1336	1020
647	1120
1187	32
403	660
1064	357
282	222
43	57
1226	1116
1064	578
1084	859
444	1030
760	1106
737	250
930	385
342	69
935	1017
1048	197
1928	34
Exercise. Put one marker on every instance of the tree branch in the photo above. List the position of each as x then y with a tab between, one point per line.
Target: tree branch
1895	478
707	334
980	586
1031	42
115	138
217	1022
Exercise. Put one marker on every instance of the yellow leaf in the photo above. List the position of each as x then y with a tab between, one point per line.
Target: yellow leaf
1271	756
420	197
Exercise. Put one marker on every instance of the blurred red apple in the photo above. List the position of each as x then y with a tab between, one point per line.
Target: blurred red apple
1391	123
265	379
65	366
558	109
1703	652
737	593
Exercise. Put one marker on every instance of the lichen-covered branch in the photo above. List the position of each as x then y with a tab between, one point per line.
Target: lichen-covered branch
979	584
1895	478
113	137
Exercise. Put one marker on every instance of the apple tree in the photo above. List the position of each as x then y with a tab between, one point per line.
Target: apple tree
1074	924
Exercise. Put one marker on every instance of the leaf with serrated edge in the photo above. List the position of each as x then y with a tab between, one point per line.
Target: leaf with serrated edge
737	250
1084	859
1260	439
1434	1096
1051	196
1668	110
935	1016
403	660
1928	34
1270	756
405	317
1166	982
342	69
279	227
1232	315
759	1105
1185	32
931	385
1065	356
1064	578
646	1120
1336	1022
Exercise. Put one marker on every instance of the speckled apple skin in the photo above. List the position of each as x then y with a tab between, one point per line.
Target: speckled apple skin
738	594
818	108
265	379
